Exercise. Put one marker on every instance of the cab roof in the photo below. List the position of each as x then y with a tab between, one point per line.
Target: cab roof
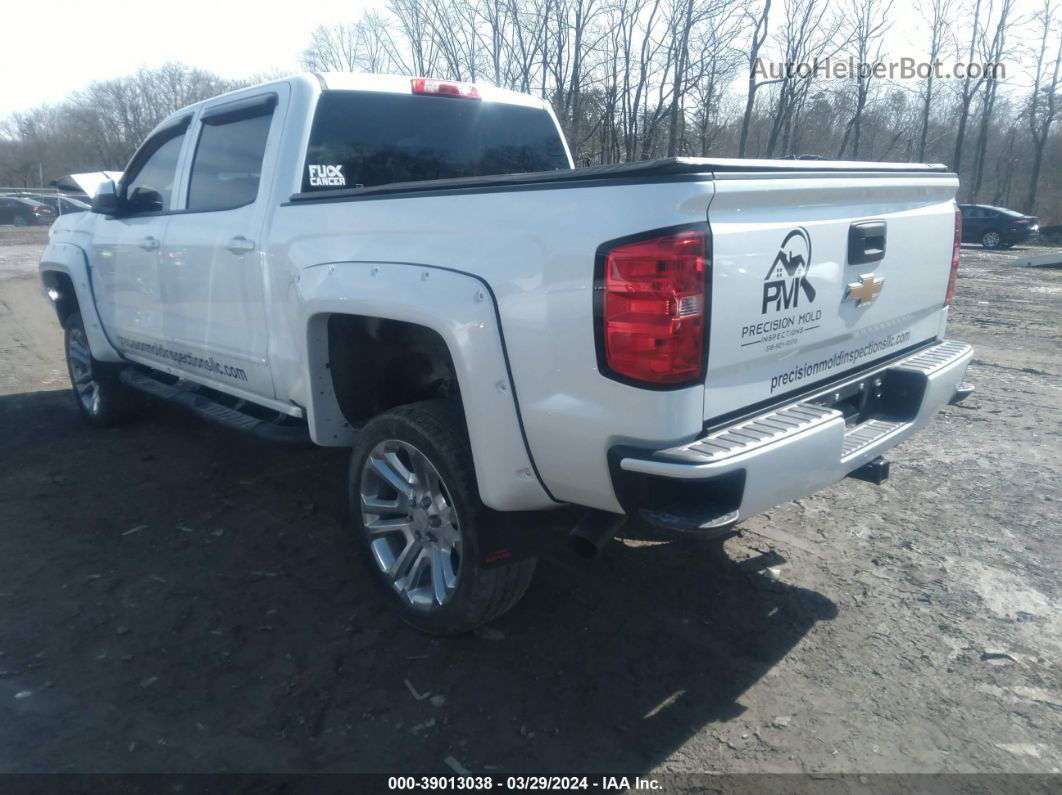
403	84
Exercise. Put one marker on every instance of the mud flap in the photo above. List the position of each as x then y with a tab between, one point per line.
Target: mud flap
515	535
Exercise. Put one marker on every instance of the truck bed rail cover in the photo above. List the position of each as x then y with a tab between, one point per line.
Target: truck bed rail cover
644	170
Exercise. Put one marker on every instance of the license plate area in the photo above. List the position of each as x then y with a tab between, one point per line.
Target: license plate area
892	394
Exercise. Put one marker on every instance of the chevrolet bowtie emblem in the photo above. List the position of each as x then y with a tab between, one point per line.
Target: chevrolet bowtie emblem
865	290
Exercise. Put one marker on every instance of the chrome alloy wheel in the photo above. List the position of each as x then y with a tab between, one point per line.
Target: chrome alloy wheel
85	384
413	527
990	240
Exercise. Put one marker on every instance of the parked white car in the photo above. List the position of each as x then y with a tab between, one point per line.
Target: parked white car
413	269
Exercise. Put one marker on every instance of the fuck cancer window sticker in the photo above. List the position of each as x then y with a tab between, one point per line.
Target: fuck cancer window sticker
327	176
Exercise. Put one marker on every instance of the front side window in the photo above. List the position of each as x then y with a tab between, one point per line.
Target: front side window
150	188
362	138
227	166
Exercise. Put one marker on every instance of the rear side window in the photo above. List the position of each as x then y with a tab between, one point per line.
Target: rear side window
228	159
362	139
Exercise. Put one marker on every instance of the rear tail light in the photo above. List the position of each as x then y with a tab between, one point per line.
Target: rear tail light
652	307
444	88
954	258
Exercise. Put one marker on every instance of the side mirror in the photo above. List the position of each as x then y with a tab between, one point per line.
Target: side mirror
106	200
144	200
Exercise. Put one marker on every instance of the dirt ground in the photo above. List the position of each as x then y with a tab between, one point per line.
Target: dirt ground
175	597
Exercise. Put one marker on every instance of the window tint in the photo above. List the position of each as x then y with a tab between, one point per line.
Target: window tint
366	138
228	162
151	186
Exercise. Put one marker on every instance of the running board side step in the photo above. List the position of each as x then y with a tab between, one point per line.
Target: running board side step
212	411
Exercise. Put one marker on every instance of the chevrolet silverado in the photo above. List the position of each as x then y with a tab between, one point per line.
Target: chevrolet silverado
412	268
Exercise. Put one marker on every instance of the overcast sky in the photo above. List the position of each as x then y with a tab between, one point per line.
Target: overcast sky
53	47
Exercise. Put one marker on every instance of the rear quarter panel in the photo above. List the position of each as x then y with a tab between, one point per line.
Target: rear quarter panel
535	249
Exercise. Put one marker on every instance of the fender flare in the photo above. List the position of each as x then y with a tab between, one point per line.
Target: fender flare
72	261
459	307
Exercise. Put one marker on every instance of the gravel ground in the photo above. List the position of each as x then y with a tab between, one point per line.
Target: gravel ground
175	597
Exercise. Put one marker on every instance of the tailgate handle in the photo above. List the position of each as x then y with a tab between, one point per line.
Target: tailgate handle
866	242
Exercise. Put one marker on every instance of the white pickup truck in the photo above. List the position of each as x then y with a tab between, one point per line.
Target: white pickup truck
413	269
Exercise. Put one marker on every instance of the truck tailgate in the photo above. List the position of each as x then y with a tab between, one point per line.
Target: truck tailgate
817	275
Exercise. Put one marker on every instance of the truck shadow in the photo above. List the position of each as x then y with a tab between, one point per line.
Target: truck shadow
182	598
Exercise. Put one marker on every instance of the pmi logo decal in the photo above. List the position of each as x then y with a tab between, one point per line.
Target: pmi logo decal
787	277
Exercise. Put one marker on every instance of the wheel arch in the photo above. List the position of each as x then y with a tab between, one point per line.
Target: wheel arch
59	288
65	273
376	364
450	314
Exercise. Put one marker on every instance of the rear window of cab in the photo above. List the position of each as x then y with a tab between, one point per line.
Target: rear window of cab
363	139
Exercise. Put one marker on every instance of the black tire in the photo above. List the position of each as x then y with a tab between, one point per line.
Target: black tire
20	221
101	398
436	429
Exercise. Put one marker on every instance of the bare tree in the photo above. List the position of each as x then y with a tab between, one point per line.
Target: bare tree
868	21
937	18
967	90
635	89
993	54
415	26
716	64
332	48
100	126
759	36
529	29
1043	101
1007	162
810	32
363	46
682	23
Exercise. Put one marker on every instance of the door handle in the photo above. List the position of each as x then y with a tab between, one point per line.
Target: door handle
149	243
866	242
240	245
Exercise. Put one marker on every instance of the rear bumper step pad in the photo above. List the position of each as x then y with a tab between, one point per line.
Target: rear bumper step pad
796	450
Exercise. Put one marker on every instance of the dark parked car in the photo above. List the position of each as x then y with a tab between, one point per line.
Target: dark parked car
23	212
61	204
996	227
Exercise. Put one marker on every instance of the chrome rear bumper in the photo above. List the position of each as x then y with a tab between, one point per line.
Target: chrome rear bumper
788	452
